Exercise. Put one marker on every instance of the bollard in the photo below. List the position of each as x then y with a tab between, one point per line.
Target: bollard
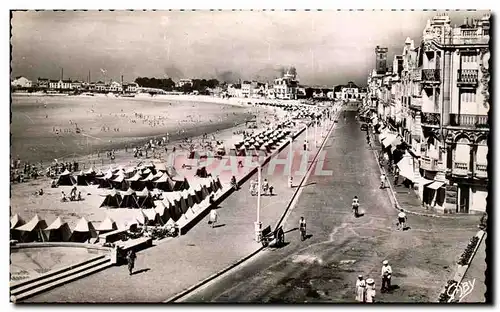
258	231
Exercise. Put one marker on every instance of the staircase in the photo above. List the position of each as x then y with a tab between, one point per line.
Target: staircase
25	289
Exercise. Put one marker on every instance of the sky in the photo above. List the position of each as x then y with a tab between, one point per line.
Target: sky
327	48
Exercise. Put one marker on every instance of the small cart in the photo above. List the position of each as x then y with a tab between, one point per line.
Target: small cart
273	239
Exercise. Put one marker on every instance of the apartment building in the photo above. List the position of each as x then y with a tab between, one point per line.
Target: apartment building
436	98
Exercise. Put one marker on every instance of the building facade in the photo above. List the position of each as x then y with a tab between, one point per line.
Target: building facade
436	98
21	82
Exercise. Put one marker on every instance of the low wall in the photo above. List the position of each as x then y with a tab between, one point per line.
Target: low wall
59	244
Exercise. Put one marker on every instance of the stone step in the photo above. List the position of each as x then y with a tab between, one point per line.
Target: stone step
62	278
49	274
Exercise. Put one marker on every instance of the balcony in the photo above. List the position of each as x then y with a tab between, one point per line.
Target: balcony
481	171
415	102
466	120
416	75
430	76
431	119
429	164
460	169
467	78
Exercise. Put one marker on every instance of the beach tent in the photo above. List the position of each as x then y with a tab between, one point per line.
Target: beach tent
171	172
158	175
134	182
194	195
164	183
218	184
160	167
144	198
188	198
129	199
66	178
119	182
33	230
58	231
201	172
83	232
113	199
82	179
146	171
129	172
162	210
153	217
104	181
180	183
175	205
15	221
107	225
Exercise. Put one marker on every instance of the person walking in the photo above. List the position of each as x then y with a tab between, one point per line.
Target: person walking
370	291
386	276
401	220
131	256
213	217
382	180
360	289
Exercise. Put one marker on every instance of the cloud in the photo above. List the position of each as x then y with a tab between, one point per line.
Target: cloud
326	48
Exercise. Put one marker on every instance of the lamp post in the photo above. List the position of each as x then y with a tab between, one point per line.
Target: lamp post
258	224
316	133
290	157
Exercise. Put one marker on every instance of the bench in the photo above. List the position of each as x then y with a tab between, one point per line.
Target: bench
112	236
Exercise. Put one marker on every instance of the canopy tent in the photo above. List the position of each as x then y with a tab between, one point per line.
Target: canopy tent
58	231
390	139
158	175
129	172
141	217
146	171
180	184
113	199
136	177
160	167
188	198
66	178
107	225
33	230
84	231
129	199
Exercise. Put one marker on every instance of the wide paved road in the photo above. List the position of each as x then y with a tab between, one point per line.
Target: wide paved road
325	266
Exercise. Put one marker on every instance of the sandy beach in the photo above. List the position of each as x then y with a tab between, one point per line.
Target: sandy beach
44	128
25	203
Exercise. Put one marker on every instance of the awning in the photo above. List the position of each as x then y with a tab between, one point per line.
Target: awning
435	185
405	166
424	181
389	139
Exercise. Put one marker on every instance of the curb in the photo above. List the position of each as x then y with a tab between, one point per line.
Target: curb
397	206
237	263
459	281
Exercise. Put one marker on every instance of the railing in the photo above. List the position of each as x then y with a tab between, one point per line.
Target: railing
467	77
430	75
431	119
467	120
460	168
481	171
429	164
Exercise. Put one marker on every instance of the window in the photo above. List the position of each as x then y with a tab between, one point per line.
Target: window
482	153
462	152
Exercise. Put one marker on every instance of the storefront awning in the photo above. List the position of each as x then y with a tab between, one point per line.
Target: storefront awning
405	166
389	139
423	181
435	185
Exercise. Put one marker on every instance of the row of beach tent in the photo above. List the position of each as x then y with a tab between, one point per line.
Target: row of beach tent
176	207
145	198
136	178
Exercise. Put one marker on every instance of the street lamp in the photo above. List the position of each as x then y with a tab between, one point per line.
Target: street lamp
316	133
258	224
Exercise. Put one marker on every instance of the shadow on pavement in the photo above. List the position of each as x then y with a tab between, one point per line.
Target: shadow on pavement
140	271
309	236
219	225
291	230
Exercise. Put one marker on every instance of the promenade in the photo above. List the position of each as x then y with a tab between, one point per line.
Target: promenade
177	263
